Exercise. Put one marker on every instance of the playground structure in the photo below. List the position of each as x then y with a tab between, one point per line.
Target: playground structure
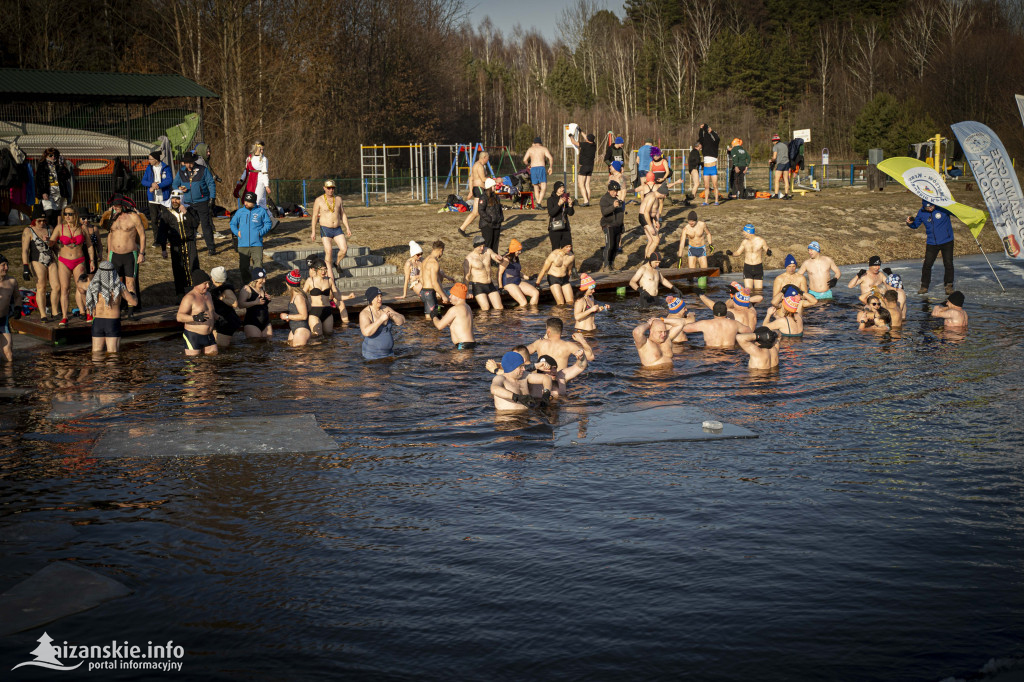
412	172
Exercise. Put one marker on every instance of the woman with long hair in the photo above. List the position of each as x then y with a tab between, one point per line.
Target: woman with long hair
39	261
53	185
510	274
258	178
491	216
75	258
321	312
297	316
255	301
559	209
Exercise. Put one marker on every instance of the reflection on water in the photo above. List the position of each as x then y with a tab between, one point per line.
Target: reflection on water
869	533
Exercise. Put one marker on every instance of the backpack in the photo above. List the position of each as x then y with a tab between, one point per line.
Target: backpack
748	193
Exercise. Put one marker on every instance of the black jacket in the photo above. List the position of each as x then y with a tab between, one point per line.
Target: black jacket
43	180
555	210
612	215
709	143
169	227
491	216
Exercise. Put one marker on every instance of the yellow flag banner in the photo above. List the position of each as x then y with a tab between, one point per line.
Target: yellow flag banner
925	182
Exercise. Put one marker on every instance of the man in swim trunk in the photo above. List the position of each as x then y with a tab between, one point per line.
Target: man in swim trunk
10	307
509	389
870	281
554	345
548	377
709	144
789	278
557	267
952	312
329	215
818	268
477	180
780	163
540	161
197	314
739	304
648	278
476	270
696	232
126	244
458	319
431	277
753	263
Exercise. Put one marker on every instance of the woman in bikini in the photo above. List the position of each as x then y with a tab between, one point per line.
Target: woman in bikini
510	274
412	270
789	319
256	304
298	315
74	247
39	261
318	288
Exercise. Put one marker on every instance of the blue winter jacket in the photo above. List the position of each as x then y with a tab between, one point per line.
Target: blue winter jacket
936	225
164	183
250	224
198	183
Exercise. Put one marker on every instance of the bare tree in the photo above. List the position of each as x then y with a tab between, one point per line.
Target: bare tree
866	39
828	47
916	33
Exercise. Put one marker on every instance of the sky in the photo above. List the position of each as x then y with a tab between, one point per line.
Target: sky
539	14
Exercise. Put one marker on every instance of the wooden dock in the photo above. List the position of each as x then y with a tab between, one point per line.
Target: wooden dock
164	319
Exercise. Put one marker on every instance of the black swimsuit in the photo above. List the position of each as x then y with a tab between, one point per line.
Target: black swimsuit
295	324
258	315
322	312
227	320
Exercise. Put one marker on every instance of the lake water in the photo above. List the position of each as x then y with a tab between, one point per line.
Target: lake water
871	532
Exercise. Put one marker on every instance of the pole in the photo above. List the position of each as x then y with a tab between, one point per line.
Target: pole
305	205
426	189
366	192
989	263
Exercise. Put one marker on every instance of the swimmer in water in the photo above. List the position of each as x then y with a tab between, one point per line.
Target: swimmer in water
585	308
895	283
432	277
476	269
103	302
458	318
762	345
197	313
554	345
509	389
751	249
297	316
648	278
874	317
818	268
376	322
891	302
720	331
547	376
952	312
557	266
678	315
255	301
494	367
788	278
870	281
739	304
788	318
653	340
10	308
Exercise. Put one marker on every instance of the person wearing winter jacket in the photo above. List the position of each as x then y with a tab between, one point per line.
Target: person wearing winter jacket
53	185
157	180
250	224
199	192
939	239
491	216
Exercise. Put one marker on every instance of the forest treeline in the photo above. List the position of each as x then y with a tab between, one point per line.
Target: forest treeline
316	79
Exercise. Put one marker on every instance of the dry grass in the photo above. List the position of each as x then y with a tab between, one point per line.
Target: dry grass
851	224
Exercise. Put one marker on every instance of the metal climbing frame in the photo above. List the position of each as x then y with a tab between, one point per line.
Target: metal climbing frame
376	159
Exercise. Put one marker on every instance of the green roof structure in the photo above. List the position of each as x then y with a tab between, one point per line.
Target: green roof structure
73	86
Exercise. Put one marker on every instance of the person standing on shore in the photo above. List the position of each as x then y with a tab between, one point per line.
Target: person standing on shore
53	185
37	259
642	161
818	268
938	239
200	192
695	162
329	215
491	215
780	163
178	225
613	213
250	224
126	244
258	178
157	180
477	180
587	146
709	147
560	207
739	161
751	249
540	161
615	153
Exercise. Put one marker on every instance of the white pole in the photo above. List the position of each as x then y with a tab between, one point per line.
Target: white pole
989	263
384	165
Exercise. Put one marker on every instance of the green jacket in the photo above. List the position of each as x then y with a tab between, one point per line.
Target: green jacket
739	157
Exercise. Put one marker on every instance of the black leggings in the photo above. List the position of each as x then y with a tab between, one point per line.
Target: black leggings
491	235
611	244
931	251
559	238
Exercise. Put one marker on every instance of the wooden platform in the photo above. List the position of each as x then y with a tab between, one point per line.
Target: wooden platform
164	319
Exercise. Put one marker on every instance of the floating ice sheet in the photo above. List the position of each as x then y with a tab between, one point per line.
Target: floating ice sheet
220	436
75	405
56	591
655	425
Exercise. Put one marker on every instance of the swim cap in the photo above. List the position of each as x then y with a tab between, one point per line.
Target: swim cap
734	286
655	151
790	260
814	246
619	140
765	337
736	142
586	281
514	246
257	273
956	298
791	290
372	293
511	361
894	281
294	277
414	248
617	165
692	215
675	305
199	277
654	257
536	140
219	274
650	177
614	186
459	290
791	303
489	183
478	240
749	228
742	297
874	260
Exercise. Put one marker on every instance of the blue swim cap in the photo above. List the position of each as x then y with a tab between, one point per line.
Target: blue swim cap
894	281
791	290
617	165
619	140
511	361
790	260
749	228
814	246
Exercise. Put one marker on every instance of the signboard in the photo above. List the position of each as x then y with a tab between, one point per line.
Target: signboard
824	156
569	130
805	134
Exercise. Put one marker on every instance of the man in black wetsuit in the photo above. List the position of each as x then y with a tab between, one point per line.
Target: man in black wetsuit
587	146
613	212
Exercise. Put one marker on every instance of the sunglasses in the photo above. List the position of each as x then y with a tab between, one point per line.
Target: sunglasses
71	214
874	305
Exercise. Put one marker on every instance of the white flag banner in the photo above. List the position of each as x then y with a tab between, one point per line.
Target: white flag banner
997	181
1020	105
